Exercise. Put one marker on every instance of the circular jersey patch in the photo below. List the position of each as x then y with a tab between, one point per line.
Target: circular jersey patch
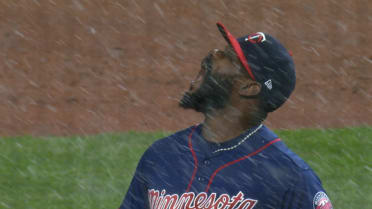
321	201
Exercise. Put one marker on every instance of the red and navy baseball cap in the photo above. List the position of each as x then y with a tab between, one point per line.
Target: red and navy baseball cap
268	62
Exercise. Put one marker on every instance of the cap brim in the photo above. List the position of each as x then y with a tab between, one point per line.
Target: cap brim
236	46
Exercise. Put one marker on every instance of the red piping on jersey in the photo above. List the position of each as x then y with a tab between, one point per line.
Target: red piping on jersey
237	160
195	160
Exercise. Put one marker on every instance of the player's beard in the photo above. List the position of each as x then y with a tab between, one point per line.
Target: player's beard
214	93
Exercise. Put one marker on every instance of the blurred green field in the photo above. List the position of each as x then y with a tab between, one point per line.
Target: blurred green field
95	171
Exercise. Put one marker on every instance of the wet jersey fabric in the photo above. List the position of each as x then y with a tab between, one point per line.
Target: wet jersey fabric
186	171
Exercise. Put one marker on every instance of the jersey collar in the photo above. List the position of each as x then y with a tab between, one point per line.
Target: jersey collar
208	148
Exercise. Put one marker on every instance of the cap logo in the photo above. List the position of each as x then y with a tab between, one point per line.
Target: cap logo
269	84
256	38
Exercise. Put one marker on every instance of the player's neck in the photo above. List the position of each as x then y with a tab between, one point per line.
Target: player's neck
225	125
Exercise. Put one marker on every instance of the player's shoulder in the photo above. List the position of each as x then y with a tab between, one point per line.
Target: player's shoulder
295	159
284	152
164	148
177	141
177	137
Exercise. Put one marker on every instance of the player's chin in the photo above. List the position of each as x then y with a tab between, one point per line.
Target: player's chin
190	101
187	101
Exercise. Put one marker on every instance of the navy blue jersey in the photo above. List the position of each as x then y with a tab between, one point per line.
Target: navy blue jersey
186	171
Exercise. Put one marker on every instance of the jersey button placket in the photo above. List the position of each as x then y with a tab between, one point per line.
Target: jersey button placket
201	173
206	163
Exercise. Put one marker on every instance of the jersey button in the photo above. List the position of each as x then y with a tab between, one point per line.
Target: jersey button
201	179
206	162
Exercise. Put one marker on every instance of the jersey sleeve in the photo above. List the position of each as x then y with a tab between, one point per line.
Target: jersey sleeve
136	196
307	193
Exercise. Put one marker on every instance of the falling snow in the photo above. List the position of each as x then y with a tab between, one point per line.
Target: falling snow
88	67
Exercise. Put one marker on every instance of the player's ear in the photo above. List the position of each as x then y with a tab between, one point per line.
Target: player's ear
249	88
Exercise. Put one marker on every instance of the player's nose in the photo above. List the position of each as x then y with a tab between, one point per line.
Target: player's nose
217	53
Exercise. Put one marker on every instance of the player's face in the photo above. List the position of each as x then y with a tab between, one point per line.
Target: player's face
213	85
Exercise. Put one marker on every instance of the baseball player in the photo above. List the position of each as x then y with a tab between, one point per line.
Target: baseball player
231	160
